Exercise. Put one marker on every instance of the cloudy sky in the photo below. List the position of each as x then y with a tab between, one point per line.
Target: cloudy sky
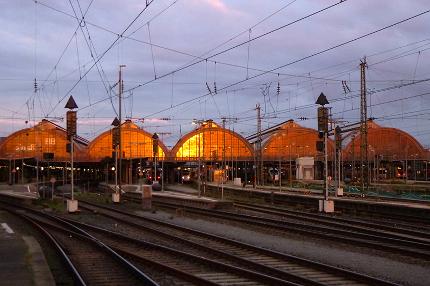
192	59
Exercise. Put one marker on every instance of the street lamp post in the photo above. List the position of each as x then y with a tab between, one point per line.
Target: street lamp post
290	169
72	205
155	153
280	172
199	124
17	174
199	167
426	170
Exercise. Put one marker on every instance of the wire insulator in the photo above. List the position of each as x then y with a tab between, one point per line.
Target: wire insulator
278	89
215	90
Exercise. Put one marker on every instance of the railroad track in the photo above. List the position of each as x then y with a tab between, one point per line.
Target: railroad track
227	251
412	245
403	218
407	230
90	261
190	268
312	204
206	271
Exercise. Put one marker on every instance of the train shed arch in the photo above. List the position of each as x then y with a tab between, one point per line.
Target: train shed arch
206	143
44	141
292	141
386	143
136	143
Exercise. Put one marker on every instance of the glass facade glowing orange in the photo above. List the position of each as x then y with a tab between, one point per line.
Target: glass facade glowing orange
207	143
136	143
387	143
45	137
292	141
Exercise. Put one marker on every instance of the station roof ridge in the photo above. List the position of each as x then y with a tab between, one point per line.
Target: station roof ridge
80	139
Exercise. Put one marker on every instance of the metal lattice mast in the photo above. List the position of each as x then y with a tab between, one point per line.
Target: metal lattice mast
259	151
223	158
120	90
363	127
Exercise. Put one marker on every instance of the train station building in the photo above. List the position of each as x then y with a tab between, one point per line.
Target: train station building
288	152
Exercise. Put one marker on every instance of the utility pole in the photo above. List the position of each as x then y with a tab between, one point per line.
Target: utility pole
199	175
223	158
353	157
259	161
337	159
325	167
363	128
120	90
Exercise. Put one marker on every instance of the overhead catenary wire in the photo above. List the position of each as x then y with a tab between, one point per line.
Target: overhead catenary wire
243	43
305	87
304	58
103	54
96	25
93	52
239	45
122	35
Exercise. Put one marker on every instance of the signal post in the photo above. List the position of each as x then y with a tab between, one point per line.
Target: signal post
72	204
326	205
115	144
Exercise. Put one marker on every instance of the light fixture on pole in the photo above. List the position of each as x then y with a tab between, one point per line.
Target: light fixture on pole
115	144
72	204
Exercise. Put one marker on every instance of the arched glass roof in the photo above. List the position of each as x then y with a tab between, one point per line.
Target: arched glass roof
387	143
45	137
207	143
136	143
292	141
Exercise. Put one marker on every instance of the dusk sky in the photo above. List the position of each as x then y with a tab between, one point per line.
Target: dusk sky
44	40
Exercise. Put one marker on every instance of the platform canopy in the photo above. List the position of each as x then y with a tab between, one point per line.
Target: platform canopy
45	141
292	141
136	143
387	143
207	142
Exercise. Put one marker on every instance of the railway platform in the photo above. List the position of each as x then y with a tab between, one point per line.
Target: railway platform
22	260
183	195
187	198
310	198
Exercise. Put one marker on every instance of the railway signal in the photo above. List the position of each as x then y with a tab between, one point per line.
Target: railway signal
116	137
72	205
325	205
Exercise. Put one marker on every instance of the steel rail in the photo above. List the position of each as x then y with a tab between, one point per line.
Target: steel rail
309	263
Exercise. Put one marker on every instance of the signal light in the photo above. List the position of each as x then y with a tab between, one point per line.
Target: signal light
323	119
155	144
71	123
320	146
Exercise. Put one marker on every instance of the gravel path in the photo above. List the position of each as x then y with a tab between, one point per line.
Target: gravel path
406	272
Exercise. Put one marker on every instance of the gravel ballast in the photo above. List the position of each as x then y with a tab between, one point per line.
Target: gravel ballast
406	271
